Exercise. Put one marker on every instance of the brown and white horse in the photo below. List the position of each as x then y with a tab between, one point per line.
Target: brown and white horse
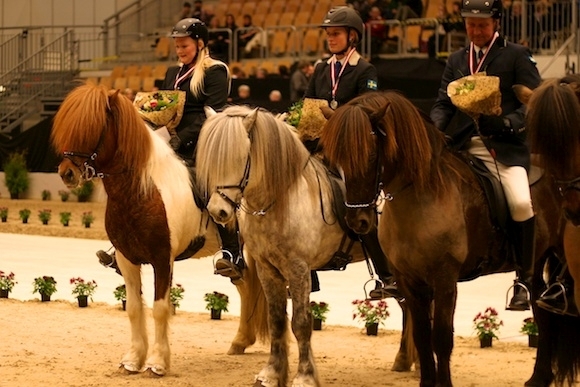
151	215
253	166
436	228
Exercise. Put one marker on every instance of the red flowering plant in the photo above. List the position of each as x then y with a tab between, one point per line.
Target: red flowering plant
7	281
319	310
82	287
486	324
370	312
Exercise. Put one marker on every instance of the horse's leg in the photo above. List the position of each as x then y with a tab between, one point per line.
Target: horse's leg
299	284
254	310
158	361
275	374
406	355
572	252
134	359
444	299
543	375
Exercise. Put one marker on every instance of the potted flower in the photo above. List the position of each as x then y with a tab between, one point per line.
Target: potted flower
24	214
65	218
486	325
120	294
45	194
88	218
371	313
44	215
216	302
318	310
175	296
64	195
7	282
84	192
45	286
82	290
3	214
16	175
530	328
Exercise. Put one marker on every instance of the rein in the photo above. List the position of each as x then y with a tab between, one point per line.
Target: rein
566	185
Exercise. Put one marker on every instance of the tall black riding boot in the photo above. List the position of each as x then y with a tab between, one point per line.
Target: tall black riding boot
524	244
108	260
388	288
232	263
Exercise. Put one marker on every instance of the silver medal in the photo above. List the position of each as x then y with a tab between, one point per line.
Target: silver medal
333	104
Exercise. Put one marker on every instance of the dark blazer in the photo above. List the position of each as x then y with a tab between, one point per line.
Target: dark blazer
215	95
354	81
513	64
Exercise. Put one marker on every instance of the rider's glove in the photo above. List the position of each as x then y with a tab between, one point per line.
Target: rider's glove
175	142
495	126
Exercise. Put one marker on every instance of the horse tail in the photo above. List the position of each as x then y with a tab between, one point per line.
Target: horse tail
566	361
254	310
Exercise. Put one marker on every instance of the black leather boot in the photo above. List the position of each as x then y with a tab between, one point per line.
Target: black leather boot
108	260
232	263
524	248
388	286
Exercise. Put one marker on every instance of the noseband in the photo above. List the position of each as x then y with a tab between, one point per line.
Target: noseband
566	185
87	168
241	186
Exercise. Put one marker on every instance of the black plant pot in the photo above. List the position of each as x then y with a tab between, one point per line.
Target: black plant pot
83	301
316	324
216	314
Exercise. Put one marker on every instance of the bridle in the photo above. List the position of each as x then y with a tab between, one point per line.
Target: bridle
241	186
566	185
87	168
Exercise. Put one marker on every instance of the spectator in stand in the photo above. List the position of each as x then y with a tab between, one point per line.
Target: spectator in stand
199	13
512	23
218	41
299	80
185	12
275	96
231	24
261	73
247	32
238	73
129	93
379	31
243	97
284	71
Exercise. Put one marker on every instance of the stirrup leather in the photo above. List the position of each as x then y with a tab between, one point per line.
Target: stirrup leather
555	299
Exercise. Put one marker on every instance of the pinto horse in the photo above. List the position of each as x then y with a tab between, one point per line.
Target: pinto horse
435	227
553	122
253	166
150	214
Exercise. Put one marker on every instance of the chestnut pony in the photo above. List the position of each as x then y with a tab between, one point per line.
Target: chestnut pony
253	166
553	122
150	214
435	226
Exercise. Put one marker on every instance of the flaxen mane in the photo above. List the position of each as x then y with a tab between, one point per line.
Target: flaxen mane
552	122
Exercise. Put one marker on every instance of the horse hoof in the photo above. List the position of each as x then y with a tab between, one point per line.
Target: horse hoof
236	349
262	381
128	369
154	372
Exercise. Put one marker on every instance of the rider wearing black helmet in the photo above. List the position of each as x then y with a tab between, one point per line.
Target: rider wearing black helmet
500	141
206	82
344	76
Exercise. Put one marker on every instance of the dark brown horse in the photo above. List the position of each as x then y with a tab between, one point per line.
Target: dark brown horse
150	216
435	226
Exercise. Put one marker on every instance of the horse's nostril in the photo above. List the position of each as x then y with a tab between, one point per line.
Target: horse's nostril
223	214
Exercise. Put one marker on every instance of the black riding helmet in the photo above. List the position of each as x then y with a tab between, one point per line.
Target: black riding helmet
192	27
482	8
344	17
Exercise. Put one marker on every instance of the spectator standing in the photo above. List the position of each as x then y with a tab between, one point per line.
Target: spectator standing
379	31
218	41
299	80
247	32
199	13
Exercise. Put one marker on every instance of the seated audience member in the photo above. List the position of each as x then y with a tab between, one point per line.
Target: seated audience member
185	12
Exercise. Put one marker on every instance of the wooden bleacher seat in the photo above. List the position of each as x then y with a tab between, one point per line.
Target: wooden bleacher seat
118	71
278	43
263	7
107	82
134	83
131	71
311	41
271	20
120	83
163	48
293	43
148	84
145	71
159	71
302	18
278	6
269	66
249	7
92	80
287	19
258	19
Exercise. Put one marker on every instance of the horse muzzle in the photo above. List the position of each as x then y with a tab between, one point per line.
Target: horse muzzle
71	177
360	221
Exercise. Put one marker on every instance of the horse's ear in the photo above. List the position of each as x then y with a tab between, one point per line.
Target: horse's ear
250	120
523	93
376	116
209	111
327	112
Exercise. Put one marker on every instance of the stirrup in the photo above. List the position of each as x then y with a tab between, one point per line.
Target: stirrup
106	259
381	293
508	305
233	269
555	299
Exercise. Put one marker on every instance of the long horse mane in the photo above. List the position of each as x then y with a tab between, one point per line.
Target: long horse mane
411	143
277	157
91	111
552	121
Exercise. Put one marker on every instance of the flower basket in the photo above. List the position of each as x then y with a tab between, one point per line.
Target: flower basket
45	194
217	302
371	313
45	286
87	218
476	94
176	295
65	218
161	108
24	215
487	325
7	282
64	195
82	290
44	216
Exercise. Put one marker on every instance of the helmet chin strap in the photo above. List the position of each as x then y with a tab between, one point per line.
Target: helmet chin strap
349	44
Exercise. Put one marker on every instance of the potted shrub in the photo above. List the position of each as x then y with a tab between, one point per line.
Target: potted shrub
530	328
371	313
64	195
44	215
216	302
4	214
175	296
45	194
318	310
120	294
7	282
24	214
486	326
16	174
65	218
88	218
84	192
45	286
82	290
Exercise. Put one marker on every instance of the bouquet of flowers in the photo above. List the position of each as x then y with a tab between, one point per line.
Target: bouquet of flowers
306	116
476	94
161	108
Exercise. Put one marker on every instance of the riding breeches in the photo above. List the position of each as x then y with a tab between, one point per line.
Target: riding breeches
514	180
